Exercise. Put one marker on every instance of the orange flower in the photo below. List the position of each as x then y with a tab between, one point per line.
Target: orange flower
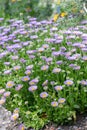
63	14
55	17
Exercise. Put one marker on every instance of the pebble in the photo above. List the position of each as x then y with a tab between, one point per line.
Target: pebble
5	122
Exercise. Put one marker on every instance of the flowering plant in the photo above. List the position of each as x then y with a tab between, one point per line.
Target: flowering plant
43	71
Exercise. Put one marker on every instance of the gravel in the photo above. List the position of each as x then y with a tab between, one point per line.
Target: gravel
80	124
7	124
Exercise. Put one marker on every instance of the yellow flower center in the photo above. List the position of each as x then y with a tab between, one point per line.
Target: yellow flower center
61	101
32	83
16	68
58	88
33	89
44	68
28	72
22	128
69	82
25	79
54	104
57	70
44	95
40	50
15	116
9	84
6	94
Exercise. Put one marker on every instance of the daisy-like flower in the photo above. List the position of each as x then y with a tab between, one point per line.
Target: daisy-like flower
22	60
14	57
43	58
14	116
59	62
31	56
25	78
21	127
62	49
9	84
16	67
27	72
84	58
68	82
43	94
77	67
56	70
72	58
61	100
74	66
30	52
45	46
67	54
54	104
58	88
2	101
2	91
34	81
7	72
83	82
6	63
31	83
84	49
44	67
16	110
40	49
7	94
56	53
33	37
49	59
29	67
32	88
19	86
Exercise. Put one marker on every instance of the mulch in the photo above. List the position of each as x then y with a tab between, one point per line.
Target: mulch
80	124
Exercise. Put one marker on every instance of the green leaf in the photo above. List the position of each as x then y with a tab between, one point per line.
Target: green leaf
76	106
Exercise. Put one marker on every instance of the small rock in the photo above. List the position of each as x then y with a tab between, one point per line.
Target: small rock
59	128
86	127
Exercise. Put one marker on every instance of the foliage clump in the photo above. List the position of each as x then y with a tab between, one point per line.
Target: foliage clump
43	71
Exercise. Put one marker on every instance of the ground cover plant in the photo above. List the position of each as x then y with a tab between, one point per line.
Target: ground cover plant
43	71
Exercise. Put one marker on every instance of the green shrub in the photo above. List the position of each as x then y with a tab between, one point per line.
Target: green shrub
43	71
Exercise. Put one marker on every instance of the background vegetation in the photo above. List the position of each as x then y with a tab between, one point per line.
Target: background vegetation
38	8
